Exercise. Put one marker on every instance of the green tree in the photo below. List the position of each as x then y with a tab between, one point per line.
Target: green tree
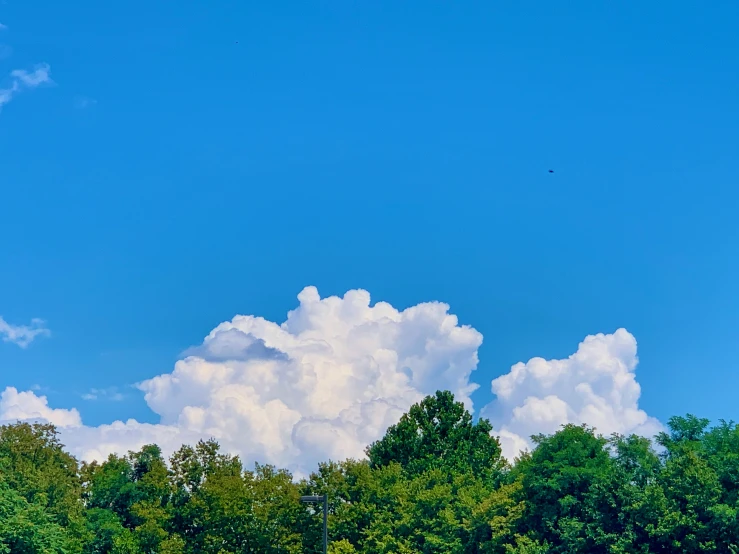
439	433
128	499
435	483
29	527
278	514
558	482
104	531
694	519
34	464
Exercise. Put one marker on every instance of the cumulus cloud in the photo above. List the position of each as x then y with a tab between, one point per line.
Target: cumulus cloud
596	386
27	406
323	384
22	79
22	335
337	372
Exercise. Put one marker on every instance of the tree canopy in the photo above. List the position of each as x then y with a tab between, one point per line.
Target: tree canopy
435	483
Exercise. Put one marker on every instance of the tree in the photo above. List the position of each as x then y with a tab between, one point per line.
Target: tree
34	464
278	513
558	483
694	520
435	483
128	501
28	527
439	433
106	533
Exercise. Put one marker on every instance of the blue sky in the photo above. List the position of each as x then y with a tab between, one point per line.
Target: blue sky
172	177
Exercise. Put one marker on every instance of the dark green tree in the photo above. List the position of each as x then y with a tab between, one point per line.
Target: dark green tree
435	483
29	527
558	482
439	433
34	464
128	501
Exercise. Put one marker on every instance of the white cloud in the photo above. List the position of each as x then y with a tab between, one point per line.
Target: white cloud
111	394
324	383
338	372
32	79
24	406
22	335
22	79
82	102
596	385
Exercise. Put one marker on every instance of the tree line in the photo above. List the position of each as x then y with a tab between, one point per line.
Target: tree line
435	483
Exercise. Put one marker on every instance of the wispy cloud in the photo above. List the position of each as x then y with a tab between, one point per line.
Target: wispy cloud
82	102
110	393
32	79
3	27
23	80
22	335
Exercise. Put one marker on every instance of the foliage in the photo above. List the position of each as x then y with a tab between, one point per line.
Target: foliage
435	483
28	527
439	433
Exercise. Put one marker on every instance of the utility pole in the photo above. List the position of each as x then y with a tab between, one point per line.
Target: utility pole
325	524
324	499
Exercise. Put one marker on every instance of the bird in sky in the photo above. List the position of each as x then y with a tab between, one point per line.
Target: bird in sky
551	171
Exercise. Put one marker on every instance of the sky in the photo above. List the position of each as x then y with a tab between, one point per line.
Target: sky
380	171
